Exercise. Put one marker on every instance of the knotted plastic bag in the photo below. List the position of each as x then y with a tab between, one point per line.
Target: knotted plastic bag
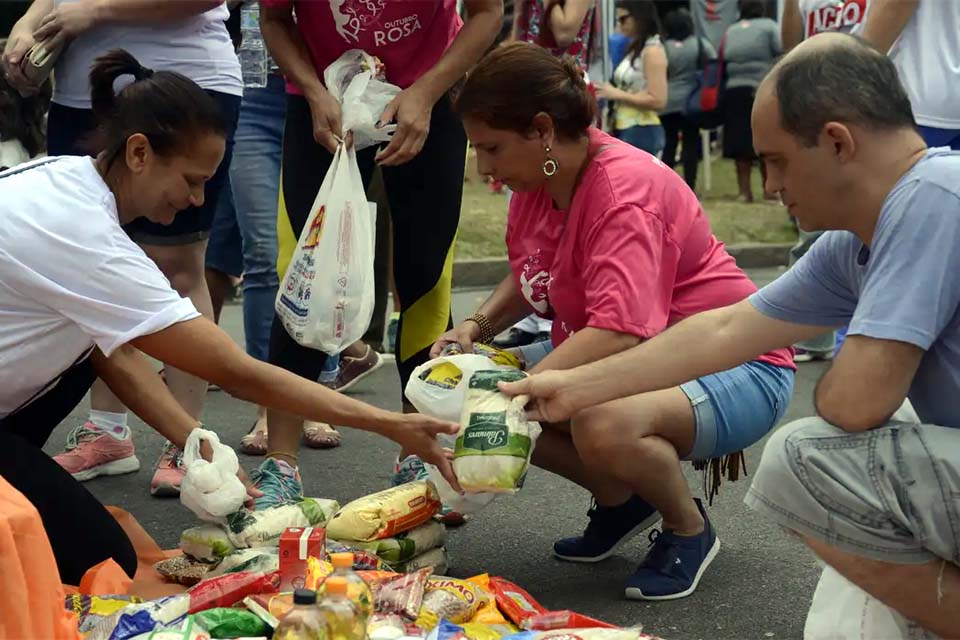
211	490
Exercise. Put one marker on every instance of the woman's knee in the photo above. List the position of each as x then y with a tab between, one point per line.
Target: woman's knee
600	435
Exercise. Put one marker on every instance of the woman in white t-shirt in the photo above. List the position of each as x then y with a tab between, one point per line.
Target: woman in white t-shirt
79	299
639	87
186	36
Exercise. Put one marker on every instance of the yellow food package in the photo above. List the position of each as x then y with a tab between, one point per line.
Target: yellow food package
488	613
317	572
477	631
450	599
386	513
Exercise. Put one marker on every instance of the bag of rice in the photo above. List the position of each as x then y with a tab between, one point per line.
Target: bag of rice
207	543
495	443
385	513
438	387
435	559
259	560
408	544
263	528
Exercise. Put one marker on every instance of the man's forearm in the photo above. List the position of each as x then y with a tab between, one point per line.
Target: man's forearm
132	379
706	343
886	21
148	11
471	43
289	51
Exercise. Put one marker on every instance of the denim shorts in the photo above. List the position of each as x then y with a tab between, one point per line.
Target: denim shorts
891	494
649	137
737	407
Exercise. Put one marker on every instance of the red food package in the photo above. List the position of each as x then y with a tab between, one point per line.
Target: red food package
514	602
564	619
229	589
402	593
296	545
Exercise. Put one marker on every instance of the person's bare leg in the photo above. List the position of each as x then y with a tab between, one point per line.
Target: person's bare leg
283	435
183	266
928	594
636	439
556	453
219	284
743	180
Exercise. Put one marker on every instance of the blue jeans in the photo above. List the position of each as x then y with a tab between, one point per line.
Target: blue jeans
243	239
737	407
649	137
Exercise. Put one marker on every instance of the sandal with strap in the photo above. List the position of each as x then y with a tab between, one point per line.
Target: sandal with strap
255	442
320	435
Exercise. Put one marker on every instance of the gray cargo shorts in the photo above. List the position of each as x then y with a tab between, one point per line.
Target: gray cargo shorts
891	494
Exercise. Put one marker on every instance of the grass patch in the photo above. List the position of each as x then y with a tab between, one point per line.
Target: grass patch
483	215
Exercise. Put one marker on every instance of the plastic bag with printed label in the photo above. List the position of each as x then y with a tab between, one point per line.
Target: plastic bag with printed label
211	490
326	297
843	611
356	81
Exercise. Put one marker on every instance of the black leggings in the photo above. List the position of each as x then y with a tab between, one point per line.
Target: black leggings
675	124
424	196
81	531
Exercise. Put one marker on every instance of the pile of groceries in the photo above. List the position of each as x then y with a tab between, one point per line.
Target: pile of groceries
374	568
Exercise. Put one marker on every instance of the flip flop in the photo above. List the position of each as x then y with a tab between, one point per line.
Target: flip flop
255	442
320	435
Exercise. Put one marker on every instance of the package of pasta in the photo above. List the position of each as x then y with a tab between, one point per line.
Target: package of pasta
386	513
401	593
564	619
264	528
493	448
583	634
514	601
449	599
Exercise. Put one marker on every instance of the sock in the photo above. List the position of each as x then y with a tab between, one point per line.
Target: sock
114	424
285	467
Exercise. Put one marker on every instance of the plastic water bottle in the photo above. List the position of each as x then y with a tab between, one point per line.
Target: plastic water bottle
254	60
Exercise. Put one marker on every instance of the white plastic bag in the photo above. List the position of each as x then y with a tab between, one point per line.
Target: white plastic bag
211	490
438	388
326	297
843	611
355	80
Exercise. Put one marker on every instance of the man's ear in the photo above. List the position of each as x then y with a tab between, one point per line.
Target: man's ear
840	139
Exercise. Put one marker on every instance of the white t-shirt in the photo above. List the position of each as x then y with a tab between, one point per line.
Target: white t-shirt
821	16
927	56
199	47
71	278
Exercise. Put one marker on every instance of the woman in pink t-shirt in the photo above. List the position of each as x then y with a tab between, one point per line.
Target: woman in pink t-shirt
425	48
614	247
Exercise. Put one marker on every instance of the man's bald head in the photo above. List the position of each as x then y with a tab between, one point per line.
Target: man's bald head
835	77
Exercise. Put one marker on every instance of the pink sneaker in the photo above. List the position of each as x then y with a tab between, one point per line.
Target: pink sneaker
168	473
90	453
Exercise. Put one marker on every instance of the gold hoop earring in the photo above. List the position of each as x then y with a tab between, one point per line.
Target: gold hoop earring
550	165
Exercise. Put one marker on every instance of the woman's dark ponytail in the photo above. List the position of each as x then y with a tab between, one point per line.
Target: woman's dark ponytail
166	107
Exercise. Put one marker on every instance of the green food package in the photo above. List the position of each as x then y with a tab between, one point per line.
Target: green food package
207	543
264	528
495	442
407	545
231	623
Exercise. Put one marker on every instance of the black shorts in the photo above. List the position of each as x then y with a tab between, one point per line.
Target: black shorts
70	132
424	196
737	134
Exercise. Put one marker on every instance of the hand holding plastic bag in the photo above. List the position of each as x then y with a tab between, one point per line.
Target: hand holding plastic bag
355	80
211	490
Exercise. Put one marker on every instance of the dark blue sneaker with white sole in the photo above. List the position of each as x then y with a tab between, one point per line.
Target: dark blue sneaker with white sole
674	565
608	529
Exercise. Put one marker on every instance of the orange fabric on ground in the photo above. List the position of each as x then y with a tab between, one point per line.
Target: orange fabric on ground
32	602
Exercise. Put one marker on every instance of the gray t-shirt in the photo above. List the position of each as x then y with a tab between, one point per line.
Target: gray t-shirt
682	65
905	287
750	50
712	17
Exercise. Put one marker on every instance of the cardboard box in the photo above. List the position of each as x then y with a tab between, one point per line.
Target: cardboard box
296	545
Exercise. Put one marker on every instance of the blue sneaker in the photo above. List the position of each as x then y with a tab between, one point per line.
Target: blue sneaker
674	565
608	529
279	482
411	469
